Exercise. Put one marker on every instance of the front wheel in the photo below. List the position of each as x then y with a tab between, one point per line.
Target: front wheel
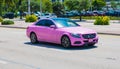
33	38
65	42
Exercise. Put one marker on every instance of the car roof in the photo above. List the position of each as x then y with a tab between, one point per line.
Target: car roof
60	18
55	19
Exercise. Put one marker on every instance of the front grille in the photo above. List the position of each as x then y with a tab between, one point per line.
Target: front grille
89	36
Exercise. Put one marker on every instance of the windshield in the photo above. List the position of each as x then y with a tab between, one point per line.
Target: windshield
65	23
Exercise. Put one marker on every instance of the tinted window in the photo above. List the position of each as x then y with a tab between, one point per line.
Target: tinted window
48	23
40	23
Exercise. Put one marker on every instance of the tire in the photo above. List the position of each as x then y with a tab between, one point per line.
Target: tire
65	42
33	38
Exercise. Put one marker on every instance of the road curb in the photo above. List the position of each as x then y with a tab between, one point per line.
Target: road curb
26	28
109	33
13	27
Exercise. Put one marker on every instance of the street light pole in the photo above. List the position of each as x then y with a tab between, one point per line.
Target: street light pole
29	7
40	6
90	5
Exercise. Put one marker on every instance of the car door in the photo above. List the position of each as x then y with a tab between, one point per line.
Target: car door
49	33
40	30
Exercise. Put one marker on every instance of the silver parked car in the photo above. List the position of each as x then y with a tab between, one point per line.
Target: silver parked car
47	15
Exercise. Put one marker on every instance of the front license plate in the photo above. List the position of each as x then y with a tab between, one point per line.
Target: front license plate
86	44
90	40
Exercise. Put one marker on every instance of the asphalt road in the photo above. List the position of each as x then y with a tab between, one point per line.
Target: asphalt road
16	52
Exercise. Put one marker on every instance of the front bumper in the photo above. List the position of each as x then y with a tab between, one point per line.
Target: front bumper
82	41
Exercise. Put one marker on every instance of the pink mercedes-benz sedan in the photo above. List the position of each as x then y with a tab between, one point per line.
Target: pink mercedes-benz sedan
61	31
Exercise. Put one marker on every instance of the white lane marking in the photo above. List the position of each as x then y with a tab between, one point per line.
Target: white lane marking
61	51
3	62
58	50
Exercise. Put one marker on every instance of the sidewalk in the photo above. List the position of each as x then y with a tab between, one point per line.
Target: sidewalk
112	29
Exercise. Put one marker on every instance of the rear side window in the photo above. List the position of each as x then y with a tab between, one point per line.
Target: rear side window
44	22
40	23
48	23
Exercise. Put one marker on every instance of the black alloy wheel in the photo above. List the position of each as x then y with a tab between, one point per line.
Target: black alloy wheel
33	38
65	42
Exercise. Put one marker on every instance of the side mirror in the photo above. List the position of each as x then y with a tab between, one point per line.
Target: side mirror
53	26
79	25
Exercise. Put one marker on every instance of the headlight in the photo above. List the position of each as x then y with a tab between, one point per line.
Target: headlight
75	35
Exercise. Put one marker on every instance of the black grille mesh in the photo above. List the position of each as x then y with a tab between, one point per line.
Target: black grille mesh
89	36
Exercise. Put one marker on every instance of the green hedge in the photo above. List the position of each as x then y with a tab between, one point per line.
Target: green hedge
31	18
94	17
1	19
7	22
102	20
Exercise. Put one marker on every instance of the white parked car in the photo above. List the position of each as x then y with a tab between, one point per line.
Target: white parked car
47	15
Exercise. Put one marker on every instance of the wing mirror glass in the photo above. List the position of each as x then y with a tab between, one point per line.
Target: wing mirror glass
53	26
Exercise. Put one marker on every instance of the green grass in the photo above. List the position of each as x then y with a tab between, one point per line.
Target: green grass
94	17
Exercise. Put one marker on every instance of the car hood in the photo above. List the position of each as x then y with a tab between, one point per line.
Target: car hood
78	30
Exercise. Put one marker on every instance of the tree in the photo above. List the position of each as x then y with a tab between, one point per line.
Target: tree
113	4
47	6
1	7
58	8
72	4
78	5
23	6
34	6
6	2
98	4
9	2
84	5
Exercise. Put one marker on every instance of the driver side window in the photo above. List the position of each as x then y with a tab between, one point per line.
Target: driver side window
48	23
40	23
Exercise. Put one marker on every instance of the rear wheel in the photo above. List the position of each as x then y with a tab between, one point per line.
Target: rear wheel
33	38
65	42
